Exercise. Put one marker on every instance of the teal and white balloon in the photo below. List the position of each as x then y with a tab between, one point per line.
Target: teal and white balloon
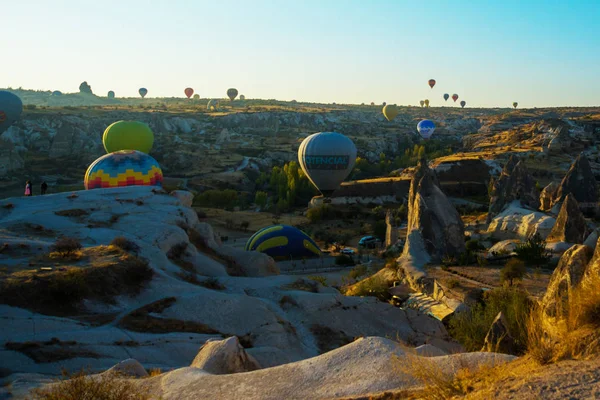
327	158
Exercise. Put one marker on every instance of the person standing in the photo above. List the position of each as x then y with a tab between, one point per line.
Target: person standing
28	189
44	187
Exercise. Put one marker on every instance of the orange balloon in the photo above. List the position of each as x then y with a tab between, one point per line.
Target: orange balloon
431	83
189	92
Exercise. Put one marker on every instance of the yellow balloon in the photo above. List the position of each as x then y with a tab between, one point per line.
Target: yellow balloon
390	111
426	103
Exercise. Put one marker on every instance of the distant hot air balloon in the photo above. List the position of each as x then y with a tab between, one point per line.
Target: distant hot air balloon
515	104
111	95
128	135
283	242
143	92
422	103
384	104
57	93
390	111
196	97
372	103
232	93
463	104
212	105
189	92
426	102
431	83
426	128
455	97
446	96
242	97
123	168
11	108
327	158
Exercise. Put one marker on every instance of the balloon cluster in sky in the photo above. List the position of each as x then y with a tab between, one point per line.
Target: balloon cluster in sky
127	162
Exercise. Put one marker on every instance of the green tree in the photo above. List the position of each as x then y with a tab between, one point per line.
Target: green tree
513	270
260	199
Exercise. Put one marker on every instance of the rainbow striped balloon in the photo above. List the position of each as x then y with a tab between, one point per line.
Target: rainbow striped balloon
123	168
283	242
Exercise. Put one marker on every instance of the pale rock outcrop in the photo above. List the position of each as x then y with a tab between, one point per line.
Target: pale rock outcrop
514	184
503	247
516	222
129	367
547	196
223	357
570	225
186	198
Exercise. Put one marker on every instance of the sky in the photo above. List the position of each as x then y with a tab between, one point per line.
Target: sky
491	53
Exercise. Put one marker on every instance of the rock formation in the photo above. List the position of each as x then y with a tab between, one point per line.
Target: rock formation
225	356
567	275
498	339
391	230
435	228
514	183
570	225
580	182
547	196
85	88
516	222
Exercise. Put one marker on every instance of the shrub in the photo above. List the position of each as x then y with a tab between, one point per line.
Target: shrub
375	286
343	259
82	386
125	244
177	251
513	270
358	271
319	278
452	283
66	246
533	252
470	327
244	225
473	245
212	283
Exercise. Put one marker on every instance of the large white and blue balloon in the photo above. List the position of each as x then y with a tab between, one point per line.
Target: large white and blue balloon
426	128
11	108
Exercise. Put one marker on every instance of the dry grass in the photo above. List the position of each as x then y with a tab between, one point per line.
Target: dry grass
83	387
50	351
575	334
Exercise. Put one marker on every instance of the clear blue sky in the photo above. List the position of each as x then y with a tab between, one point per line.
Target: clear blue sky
539	53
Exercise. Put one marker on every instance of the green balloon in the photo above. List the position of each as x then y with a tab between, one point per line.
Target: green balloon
128	135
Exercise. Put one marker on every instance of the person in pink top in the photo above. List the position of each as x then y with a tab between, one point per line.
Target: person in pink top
28	189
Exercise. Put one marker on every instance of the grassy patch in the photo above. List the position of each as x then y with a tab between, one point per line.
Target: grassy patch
50	351
110	273
125	244
304	285
140	320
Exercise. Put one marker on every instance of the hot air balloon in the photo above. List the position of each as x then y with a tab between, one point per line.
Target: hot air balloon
463	104
426	103
57	93
426	128
189	92
455	97
196	97
390	111
123	168
431	83
283	242
143	92
11	108
446	96
232	93
372	103
212	105
422	103
384	104
242	97
327	158
128	135
515	104
111	95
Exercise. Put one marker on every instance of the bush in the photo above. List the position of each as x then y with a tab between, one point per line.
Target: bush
375	286
470	327
473	246
513	270
66	246
212	283
358	271
344	259
319	278
177	251
125	244
533	252
82	386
